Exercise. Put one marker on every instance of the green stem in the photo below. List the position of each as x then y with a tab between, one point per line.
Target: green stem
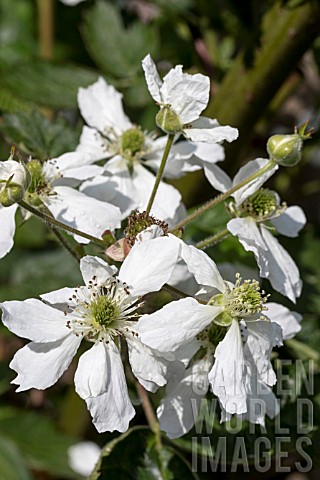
213	239
64	242
52	221
153	424
160	172
179	293
220	198
174	291
61	239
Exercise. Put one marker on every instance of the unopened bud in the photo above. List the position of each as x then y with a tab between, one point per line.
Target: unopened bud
285	150
119	250
14	181
168	120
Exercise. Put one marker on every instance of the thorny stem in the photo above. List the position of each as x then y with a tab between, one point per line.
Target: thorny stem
213	239
160	172
52	221
220	198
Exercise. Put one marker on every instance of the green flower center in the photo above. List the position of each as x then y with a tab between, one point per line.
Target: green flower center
131	143
262	204
38	181
103	310
246	299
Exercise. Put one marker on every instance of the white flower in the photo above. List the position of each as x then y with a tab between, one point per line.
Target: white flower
250	227
217	322
289	321
182	97
125	181
102	312
71	3
83	457
49	186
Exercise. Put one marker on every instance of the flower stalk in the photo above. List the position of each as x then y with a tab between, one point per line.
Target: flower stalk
52	221
207	242
160	172
220	198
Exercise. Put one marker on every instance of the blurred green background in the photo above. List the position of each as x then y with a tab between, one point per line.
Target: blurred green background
263	60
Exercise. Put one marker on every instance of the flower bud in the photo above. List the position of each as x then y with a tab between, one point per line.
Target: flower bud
15	179
285	150
168	120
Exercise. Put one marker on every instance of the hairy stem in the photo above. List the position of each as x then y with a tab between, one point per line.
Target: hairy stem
160	172
207	242
52	221
220	198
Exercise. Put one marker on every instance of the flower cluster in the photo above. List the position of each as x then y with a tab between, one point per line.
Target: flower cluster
219	336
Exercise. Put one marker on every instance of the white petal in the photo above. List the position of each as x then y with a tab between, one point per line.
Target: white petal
8	227
112	410
185	353
217	177
40	365
208	130
96	267
187	94
227	377
249	169
289	321
118	190
208	152
82	212
92	145
182	279
183	395
248	233
58	298
71	3
202	267
146	367
67	161
175	324
83	457
167	199
100	105
262	337
149	265
290	222
34	320
152	78
92	375
279	267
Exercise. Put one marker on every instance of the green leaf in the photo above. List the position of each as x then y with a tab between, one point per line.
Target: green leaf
10	103
46	83
36	136
12	465
115	49
43	447
134	455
